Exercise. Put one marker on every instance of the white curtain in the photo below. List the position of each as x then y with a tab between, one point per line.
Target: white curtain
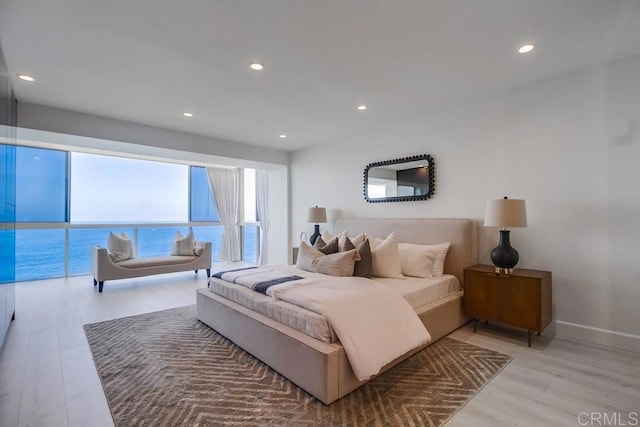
224	184
262	204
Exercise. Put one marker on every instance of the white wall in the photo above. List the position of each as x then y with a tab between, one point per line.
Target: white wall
569	146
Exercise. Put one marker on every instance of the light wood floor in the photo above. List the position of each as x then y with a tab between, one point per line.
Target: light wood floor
47	375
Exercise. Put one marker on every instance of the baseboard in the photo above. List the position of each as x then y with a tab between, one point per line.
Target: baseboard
619	340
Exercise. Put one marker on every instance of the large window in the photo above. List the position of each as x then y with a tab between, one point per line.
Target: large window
7	254
107	189
7	213
40	253
210	233
250	240
203	207
157	241
69	202
7	183
41	185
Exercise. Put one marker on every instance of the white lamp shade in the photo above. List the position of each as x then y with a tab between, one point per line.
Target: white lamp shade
317	215
505	213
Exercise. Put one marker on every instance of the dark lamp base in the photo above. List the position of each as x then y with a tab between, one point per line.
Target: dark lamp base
315	235
504	256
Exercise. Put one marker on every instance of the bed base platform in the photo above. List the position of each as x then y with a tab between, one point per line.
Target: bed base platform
323	369
319	368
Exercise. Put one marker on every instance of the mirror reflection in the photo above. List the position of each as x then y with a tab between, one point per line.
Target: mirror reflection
405	179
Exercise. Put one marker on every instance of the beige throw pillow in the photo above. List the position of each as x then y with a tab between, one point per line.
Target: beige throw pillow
183	245
120	246
306	256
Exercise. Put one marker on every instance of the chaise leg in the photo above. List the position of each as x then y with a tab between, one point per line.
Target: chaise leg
100	285
95	282
208	272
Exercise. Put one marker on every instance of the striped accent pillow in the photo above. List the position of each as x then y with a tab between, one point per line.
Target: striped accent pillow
339	264
306	257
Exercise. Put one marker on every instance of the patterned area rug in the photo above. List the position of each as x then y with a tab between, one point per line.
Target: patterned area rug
168	368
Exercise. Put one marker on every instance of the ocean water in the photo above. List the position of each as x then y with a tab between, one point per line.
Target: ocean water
40	253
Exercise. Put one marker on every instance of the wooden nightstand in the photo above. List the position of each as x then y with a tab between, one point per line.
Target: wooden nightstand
521	299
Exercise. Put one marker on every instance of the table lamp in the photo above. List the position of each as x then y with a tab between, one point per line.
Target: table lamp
505	213
316	216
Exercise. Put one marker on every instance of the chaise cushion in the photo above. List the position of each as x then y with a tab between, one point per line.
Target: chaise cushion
156	261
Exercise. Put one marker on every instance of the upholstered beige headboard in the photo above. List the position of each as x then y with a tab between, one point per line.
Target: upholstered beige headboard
461	233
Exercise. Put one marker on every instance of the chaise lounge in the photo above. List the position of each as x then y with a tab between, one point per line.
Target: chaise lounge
104	268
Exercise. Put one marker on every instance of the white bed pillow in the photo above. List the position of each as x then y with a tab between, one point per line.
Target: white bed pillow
424	261
120	246
385	257
438	266
183	245
416	260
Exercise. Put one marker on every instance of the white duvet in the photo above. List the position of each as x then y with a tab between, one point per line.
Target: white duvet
374	324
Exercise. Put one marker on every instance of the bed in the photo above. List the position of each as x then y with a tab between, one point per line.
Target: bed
320	365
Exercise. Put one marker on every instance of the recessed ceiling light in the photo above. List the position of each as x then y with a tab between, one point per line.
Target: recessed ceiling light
187	114
282	135
256	66
362	107
526	48
26	77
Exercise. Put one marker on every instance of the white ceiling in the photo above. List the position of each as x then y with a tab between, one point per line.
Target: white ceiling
147	61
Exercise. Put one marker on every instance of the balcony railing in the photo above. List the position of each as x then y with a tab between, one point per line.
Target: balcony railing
50	250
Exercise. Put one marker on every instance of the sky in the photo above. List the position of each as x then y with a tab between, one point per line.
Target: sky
114	189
